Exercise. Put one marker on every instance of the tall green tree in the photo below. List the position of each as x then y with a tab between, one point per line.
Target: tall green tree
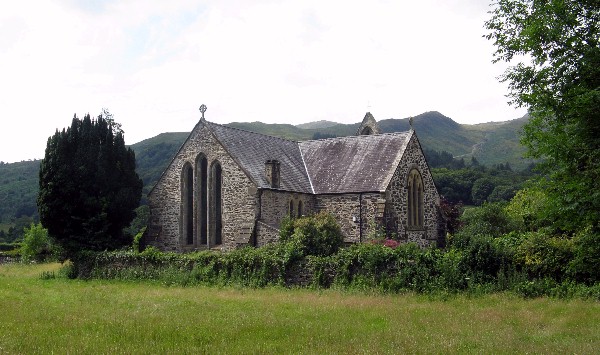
553	49
88	186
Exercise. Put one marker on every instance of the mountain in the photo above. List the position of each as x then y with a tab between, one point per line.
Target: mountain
317	124
18	189
500	142
491	143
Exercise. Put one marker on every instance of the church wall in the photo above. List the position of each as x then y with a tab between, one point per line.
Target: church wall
238	196
347	211
274	206
397	201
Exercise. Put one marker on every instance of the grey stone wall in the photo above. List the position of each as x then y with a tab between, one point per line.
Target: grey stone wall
274	205
238	197
356	225
265	234
397	198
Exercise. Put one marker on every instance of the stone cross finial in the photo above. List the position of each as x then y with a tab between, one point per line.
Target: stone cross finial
410	121
203	109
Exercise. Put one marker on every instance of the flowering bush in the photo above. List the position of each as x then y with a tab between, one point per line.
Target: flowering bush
390	243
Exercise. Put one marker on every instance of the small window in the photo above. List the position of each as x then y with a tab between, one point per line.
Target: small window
299	209
291	208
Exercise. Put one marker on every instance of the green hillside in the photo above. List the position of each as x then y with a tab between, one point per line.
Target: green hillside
18	189
287	131
437	132
499	143
317	124
154	154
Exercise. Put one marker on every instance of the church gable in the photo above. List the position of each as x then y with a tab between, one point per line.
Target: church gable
203	199
412	199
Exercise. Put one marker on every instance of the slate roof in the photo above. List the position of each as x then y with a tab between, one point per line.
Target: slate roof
251	151
353	163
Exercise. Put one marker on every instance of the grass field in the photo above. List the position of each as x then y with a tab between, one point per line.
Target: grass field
73	316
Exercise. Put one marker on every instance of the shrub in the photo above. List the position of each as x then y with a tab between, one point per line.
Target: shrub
286	229
490	219
313	235
545	256
137	238
482	258
373	266
36	244
527	209
586	256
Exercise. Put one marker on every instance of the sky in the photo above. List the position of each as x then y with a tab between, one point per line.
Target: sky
153	63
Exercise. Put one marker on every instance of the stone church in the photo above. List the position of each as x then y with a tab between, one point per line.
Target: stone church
226	188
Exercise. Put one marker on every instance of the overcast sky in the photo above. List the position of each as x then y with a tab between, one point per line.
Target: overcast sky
153	63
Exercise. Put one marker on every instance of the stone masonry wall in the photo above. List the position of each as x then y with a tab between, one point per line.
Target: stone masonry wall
238	196
274	206
266	234
347	211
397	202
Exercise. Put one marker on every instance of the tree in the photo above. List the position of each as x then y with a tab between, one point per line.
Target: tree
36	244
88	187
481	189
553	47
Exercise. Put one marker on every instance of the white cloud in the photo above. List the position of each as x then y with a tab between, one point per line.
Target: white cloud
152	63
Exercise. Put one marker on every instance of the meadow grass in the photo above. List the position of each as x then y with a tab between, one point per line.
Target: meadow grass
58	315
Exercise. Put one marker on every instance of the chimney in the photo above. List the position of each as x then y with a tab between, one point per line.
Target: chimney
272	173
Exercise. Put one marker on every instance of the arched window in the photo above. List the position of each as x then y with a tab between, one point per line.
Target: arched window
291	208
187	204
202	204
415	199
216	208
299	209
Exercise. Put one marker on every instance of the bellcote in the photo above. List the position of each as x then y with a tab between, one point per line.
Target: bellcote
368	126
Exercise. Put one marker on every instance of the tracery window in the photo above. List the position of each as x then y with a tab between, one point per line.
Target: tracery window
415	199
201	221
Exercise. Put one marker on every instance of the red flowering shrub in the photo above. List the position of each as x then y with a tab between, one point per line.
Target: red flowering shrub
390	243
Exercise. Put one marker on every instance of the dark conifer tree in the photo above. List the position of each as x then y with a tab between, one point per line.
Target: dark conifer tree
88	186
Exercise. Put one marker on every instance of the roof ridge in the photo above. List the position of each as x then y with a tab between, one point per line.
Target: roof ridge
355	136
247	131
